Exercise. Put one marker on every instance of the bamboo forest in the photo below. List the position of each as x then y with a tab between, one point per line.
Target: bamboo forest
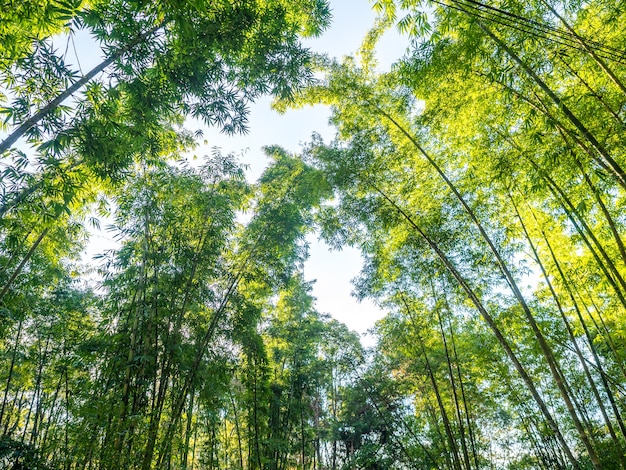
481	177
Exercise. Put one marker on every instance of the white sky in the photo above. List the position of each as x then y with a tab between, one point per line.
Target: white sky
332	271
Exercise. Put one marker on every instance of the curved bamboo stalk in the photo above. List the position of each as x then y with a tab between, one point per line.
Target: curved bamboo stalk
550	421
555	369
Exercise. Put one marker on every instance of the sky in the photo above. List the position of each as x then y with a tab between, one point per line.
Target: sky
331	270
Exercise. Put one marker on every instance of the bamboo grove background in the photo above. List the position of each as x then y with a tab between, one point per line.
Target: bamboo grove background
482	177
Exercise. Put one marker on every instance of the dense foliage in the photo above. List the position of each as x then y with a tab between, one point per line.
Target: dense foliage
481	177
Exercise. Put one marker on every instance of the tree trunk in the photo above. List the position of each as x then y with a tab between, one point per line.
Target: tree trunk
18	270
10	376
39	115
545	347
570	332
492	324
604	157
455	396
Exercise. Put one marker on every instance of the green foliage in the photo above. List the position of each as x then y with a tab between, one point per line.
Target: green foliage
475	181
19	455
22	23
481	178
